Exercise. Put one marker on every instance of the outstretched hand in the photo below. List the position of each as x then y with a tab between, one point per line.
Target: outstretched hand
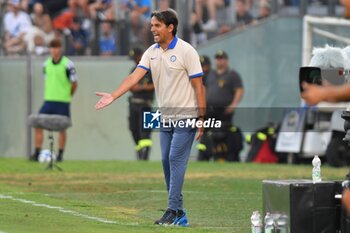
106	99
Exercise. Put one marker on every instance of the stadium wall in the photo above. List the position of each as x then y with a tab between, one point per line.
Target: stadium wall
267	56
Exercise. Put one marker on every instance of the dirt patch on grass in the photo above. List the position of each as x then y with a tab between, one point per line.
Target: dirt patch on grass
123	210
76	179
71	178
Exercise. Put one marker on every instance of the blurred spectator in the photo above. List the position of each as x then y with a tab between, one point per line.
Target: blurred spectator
78	39
139	12
16	24
41	31
243	15
201	23
41	19
264	9
250	4
41	47
24	5
202	13
138	9
198	36
346	4
64	20
202	146
210	6
224	89
53	7
140	101
163	5
206	67
104	9
107	40
84	6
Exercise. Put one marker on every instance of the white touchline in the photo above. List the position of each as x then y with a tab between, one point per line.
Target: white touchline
63	210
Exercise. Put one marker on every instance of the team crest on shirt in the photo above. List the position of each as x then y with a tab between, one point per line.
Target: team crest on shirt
221	83
173	58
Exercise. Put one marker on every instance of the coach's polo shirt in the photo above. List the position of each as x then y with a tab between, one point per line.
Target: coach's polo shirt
172	70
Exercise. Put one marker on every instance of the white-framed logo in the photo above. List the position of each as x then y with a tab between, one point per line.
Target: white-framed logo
173	58
151	120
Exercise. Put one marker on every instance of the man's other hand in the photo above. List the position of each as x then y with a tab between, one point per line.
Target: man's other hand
106	99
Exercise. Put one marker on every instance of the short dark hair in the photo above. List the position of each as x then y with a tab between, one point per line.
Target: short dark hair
55	43
167	17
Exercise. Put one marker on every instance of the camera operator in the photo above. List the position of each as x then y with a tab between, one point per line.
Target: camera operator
346	193
313	94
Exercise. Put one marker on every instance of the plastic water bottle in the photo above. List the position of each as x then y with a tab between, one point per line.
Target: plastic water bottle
282	224
269	223
316	170
256	222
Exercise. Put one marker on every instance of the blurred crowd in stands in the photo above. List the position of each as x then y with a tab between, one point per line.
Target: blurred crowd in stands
111	27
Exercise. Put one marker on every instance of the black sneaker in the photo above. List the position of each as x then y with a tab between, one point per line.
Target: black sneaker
35	155
144	153
34	158
168	218
59	158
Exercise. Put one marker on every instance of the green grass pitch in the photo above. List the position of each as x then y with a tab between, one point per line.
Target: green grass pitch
120	196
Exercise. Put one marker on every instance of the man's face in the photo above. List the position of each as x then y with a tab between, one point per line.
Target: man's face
106	28
221	63
55	52
263	11
38	8
160	31
205	68
240	8
13	7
